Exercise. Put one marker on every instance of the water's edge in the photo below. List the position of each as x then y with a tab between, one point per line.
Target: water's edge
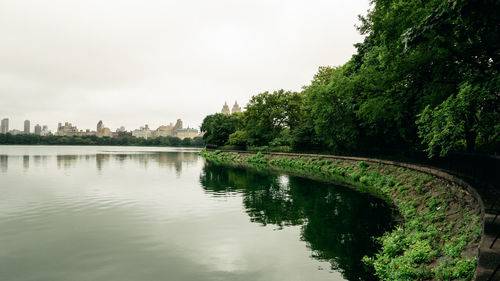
443	216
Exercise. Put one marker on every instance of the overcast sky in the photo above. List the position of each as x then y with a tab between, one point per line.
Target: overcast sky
136	62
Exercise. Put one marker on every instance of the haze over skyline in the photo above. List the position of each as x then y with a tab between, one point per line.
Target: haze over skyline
132	63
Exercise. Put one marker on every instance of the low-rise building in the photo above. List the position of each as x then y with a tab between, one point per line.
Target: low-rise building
187	133
121	132
163	131
67	130
15	132
87	132
143	132
166	131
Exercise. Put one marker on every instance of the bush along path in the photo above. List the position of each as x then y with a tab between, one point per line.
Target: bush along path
442	220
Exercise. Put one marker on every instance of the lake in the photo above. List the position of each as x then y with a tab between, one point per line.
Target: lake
142	213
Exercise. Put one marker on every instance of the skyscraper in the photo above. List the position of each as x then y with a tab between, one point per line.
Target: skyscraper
45	130
38	130
178	125
103	131
26	126
4	128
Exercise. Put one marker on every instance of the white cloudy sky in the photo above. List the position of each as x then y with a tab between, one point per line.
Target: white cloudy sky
135	62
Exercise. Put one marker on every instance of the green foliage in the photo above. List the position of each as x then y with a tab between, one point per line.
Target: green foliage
454	247
464	269
362	164
238	138
217	128
456	122
198	141
268	114
425	237
444	271
257	159
333	112
94	140
283	139
425	78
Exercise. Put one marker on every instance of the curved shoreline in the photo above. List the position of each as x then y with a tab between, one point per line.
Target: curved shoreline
443	215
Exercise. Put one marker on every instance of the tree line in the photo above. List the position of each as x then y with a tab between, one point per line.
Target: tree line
425	78
94	140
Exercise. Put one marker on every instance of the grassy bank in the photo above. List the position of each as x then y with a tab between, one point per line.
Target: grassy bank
441	228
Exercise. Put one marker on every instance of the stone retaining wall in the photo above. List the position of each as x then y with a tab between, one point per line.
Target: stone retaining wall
454	180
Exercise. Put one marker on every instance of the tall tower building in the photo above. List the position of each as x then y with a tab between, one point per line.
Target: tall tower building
225	109
4	128
26	126
38	129
100	126
236	107
103	131
178	125
45	130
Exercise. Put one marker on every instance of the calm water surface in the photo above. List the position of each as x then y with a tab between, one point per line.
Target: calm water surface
128	213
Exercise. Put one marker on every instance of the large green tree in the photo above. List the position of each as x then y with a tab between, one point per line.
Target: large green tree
425	78
217	128
469	114
268	114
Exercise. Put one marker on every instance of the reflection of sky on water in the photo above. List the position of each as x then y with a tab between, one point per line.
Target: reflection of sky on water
131	214
170	160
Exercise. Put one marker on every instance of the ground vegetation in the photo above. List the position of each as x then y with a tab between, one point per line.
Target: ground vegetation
440	228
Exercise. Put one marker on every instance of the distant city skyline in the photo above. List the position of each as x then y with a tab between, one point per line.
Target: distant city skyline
8	121
27	127
134	62
68	129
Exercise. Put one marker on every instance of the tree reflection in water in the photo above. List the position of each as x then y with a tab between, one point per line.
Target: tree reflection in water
337	223
161	159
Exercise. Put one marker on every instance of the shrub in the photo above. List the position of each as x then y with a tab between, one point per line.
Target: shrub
465	268
362	165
